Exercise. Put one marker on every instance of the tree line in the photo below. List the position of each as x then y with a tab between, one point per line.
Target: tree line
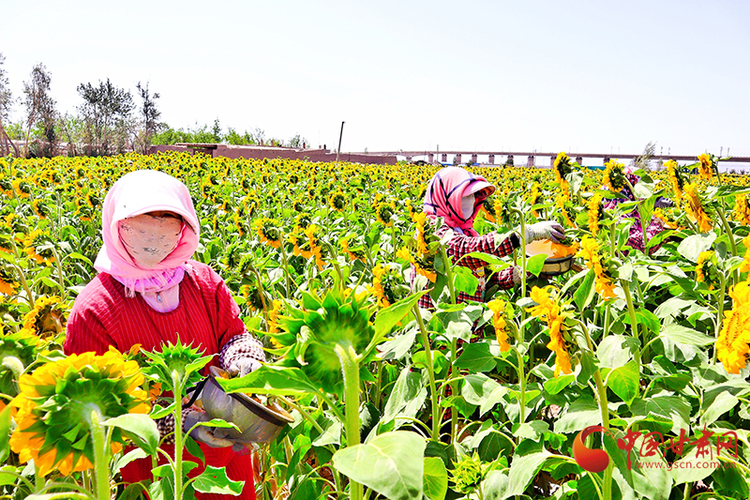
110	120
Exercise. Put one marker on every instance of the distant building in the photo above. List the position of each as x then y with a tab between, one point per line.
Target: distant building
272	152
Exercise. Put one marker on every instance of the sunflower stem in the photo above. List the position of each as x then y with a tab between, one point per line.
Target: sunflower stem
522	383
633	317
350	370
101	462
285	261
25	284
60	281
177	389
720	312
601	392
732	243
431	374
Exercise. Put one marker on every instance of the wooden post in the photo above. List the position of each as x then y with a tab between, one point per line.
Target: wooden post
341	134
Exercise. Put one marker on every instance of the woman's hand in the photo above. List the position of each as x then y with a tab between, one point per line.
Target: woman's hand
545	230
242	366
203	434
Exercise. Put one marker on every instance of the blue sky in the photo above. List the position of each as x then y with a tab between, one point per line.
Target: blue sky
576	76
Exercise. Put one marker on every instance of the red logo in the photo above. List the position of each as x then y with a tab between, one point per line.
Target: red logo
592	460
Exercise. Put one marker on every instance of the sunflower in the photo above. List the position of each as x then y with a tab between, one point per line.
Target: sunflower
733	344
269	231
337	201
498	307
22	188
40	209
299	242
706	166
488	207
54	406
313	337
420	220
388	286
46	318
694	208
239	222
562	167
676	178
745	266
595	210
315	249
742	209
384	211
356	253
614	176
8	285
551	312
273	316
38	247
422	267
409	208
533	198
590	251
705	270
377	286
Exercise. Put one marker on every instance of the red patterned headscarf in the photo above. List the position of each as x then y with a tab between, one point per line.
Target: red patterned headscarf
444	193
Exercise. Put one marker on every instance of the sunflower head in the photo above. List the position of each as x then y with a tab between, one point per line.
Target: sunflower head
40	209
614	176
499	322
253	296
184	361
733	343
695	208
38	246
706	166
47	318
488	206
384	211
313	335
269	231
595	212
388	286
562	167
8	284
338	201
676	178
742	209
22	188
354	248
54	406
706	270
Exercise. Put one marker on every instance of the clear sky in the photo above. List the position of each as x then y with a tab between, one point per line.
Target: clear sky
546	75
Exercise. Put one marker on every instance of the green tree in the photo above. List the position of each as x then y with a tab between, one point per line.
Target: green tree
6	104
40	114
149	123
106	114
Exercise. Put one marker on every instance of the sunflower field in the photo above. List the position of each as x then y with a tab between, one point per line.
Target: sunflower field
623	378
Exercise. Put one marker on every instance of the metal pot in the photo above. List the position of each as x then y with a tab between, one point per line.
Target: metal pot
257	423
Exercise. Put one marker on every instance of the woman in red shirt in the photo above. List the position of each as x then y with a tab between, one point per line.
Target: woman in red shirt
149	292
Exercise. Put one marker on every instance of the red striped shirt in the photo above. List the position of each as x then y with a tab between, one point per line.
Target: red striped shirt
207	317
103	316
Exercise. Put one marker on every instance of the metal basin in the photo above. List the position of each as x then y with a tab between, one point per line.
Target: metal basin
553	265
258	423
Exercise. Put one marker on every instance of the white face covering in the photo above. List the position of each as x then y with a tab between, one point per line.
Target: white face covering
467	205
150	239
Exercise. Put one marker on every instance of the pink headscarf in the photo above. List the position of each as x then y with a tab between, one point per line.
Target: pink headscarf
138	193
444	193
